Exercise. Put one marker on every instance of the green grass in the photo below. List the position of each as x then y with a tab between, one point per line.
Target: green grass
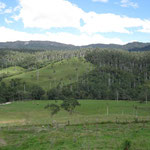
64	72
82	137
33	112
11	71
24	126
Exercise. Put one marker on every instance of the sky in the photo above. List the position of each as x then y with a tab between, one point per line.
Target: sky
77	22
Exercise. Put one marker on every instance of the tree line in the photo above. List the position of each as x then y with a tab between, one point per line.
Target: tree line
33	60
17	90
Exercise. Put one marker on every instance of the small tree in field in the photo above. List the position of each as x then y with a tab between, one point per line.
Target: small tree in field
69	105
53	108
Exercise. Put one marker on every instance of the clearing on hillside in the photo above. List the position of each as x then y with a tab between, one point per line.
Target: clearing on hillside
11	71
63	72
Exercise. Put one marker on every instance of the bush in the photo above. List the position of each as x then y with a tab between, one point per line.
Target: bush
37	92
127	145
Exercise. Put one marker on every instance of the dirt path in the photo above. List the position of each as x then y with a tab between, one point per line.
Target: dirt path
6	103
12	121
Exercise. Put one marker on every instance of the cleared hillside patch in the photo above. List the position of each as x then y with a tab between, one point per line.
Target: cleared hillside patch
63	72
11	71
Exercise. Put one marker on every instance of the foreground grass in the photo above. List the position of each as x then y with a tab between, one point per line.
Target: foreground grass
95	125
110	136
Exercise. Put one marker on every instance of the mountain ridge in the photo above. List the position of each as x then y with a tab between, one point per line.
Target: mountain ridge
51	45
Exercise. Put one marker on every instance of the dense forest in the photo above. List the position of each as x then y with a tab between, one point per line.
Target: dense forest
117	75
32	59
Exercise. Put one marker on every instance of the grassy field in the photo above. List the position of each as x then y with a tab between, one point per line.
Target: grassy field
66	72
33	112
80	137
11	71
95	125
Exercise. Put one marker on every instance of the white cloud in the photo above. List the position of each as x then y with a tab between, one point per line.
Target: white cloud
68	38
15	17
109	23
4	10
18	7
2	6
8	21
8	11
128	3
83	39
13	35
62	13
145	26
104	1
50	13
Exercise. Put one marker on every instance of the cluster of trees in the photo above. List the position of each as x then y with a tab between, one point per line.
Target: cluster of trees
68	105
17	90
117	75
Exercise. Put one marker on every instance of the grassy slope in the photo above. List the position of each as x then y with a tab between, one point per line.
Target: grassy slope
49	76
81	135
11	71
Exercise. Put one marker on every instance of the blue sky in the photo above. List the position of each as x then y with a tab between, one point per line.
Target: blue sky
78	22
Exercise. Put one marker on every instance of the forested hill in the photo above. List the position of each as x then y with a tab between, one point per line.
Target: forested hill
48	45
145	48
36	45
134	46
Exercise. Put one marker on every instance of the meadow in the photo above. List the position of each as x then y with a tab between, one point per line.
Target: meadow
94	125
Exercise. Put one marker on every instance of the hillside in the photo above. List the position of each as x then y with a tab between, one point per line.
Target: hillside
11	71
145	48
62	72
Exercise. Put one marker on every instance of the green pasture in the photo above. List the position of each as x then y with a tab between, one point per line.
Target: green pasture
92	111
63	72
95	125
